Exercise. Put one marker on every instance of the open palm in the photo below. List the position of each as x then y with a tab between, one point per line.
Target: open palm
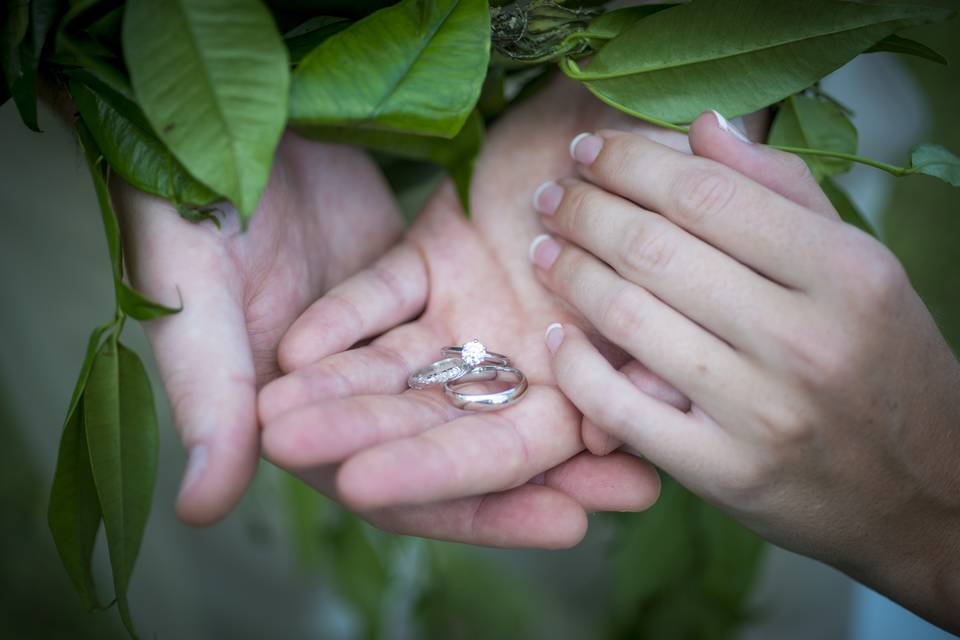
407	460
325	214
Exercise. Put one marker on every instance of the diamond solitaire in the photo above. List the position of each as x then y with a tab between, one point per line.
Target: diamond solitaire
473	353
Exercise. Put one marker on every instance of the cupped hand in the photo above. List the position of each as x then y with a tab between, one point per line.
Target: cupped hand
326	213
407	460
824	399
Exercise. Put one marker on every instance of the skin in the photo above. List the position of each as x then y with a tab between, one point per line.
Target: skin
407	460
823	397
240	293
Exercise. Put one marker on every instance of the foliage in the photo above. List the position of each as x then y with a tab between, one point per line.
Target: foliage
187	100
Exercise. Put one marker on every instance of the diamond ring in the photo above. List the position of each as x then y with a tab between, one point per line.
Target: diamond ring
474	353
460	361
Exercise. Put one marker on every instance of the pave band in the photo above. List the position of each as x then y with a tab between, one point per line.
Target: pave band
438	372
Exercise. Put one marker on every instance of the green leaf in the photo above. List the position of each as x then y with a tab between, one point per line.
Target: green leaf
845	207
307	36
121	429
416	67
457	156
13	29
897	44
139	307
129	145
74	513
735	57
211	77
815	123
611	24
130	301
76	47
935	160
24	89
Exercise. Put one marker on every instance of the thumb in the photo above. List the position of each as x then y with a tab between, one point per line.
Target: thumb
203	353
712	136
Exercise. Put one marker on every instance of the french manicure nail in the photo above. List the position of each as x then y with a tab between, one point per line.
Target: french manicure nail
725	125
554	336
547	197
544	251
196	465
585	148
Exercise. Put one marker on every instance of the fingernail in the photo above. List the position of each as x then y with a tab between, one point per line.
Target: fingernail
724	124
196	465
547	197
585	148
544	251
554	336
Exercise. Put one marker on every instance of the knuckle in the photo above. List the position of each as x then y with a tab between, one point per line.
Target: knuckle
750	482
783	424
821	360
648	247
796	169
623	314
583	203
619	158
702	192
873	279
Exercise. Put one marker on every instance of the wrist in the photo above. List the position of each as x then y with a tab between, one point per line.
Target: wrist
918	566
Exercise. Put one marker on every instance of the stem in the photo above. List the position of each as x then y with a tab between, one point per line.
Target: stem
640	116
883	166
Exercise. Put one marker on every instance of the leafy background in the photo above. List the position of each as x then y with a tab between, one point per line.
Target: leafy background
289	563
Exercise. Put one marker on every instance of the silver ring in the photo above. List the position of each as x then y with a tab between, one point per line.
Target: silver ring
474	353
486	401
438	372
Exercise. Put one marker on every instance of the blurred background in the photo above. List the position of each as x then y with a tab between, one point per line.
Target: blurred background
288	564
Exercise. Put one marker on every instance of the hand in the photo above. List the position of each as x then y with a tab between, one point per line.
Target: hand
326	213
345	421
825	400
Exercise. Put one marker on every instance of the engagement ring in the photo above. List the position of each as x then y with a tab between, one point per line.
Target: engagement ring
467	364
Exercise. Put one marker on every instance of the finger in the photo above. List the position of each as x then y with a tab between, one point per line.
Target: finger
332	430
390	292
703	367
478	453
696	279
379	368
528	516
617	482
599	441
203	352
711	136
749	222
671	439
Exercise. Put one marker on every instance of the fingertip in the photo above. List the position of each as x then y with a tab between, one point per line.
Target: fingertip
552	519
214	481
358	488
297	347
596	440
278	397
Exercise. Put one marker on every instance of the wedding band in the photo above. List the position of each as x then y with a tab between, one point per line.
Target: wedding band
438	372
474	353
486	401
